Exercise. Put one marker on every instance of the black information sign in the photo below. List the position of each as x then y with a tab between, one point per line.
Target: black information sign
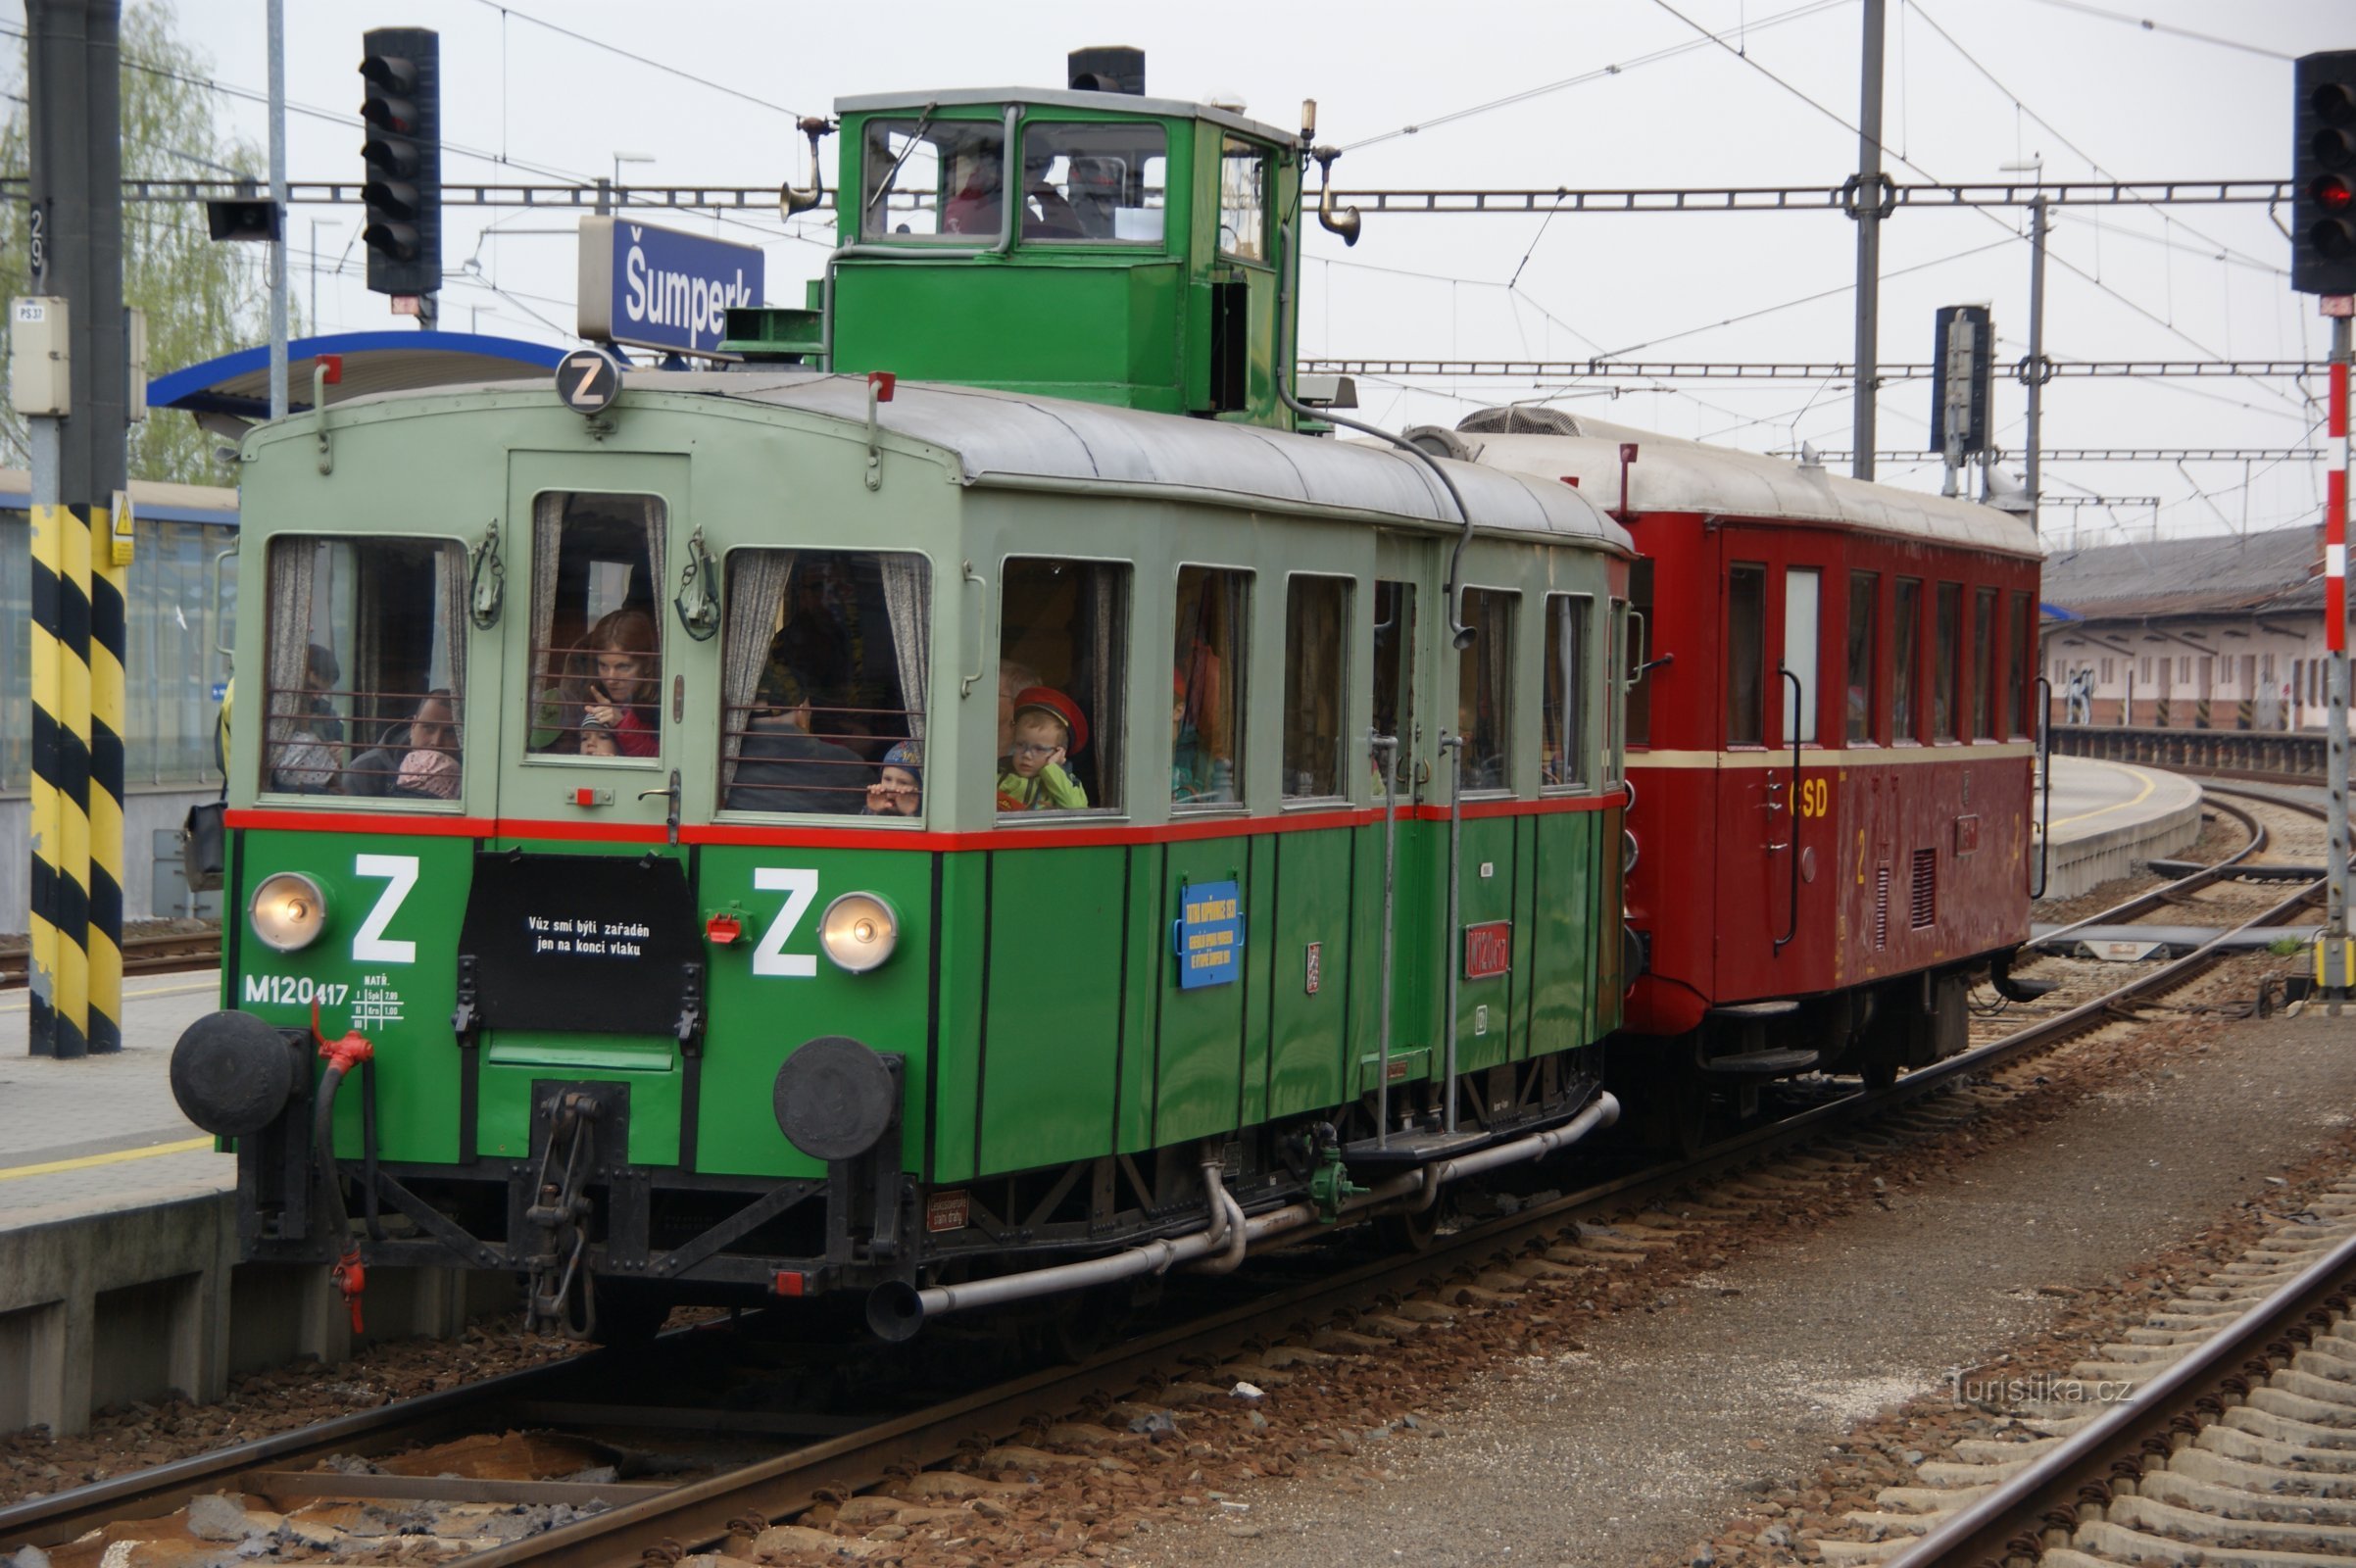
598	943
588	380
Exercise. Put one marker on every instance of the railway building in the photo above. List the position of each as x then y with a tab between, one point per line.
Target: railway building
2210	633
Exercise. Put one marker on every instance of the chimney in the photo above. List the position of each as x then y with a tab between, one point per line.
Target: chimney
1107	68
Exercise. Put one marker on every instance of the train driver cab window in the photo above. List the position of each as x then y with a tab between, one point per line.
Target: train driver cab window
1803	595
1984	664
365	691
823	675
1395	681
1207	674
1062	656
933	179
1485	690
1244	200
1746	654
1562	742
1094	184
1905	664
1316	648
1864	621
1947	691
597	627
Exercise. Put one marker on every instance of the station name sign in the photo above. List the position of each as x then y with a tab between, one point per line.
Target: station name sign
659	288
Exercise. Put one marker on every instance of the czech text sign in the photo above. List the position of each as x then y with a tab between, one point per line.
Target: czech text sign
1207	937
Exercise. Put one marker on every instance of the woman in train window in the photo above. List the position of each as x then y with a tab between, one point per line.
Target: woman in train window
611	683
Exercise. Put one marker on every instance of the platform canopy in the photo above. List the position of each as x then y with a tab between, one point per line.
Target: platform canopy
233	390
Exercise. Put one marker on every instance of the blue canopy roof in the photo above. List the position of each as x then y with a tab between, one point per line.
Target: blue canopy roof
374	362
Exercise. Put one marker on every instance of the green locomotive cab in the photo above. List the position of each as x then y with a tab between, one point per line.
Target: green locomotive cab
781	836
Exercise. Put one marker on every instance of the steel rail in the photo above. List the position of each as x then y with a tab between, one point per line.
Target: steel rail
702	1511
150	953
2139	1432
2145	902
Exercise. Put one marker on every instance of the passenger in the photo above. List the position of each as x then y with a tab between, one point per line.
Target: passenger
431	767
975	207
782	767
900	790
1048	727
1197	777
617	682
598	740
306	752
1013	676
321	675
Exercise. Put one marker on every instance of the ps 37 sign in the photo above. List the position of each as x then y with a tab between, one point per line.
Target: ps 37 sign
658	288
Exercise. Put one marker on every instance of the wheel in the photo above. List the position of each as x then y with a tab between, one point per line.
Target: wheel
629	1316
1076	1326
1409	1232
1879	1072
1686	1111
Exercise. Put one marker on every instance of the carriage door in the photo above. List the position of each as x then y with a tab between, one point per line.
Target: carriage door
1403	602
1774	810
581	946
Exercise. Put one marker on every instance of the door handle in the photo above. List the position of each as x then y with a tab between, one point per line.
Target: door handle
670	819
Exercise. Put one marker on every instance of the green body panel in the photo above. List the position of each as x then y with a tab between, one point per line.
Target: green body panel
1561	967
1199	1037
504	1131
1102	334
402	1004
1141	999
1051	1028
1488	846
764	1019
1315	894
964	939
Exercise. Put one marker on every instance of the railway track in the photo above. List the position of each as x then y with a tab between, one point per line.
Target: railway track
1346	1307
143	953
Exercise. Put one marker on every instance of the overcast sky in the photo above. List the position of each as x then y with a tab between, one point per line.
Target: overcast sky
2098	95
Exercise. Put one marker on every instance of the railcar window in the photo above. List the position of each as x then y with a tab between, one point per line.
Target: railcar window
1562	696
1395	677
1208	674
2016	686
1947	691
823	675
1803	595
1618	657
1984	664
1242	200
933	178
1746	654
1062	659
365	694
1316	645
1906	664
1640	691
1087	183
596	626
1864	619
1485	690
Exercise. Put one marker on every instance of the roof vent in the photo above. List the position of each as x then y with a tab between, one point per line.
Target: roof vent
1107	68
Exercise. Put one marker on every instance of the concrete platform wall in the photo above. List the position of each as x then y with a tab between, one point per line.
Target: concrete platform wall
144	1303
2081	863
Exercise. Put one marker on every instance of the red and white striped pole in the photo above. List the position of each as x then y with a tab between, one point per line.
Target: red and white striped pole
2333	963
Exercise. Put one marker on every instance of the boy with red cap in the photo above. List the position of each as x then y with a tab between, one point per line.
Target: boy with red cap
1048	727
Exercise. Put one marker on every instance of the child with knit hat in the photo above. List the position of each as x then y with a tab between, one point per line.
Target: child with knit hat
899	789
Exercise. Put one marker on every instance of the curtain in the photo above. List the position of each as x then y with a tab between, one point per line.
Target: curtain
292	562
903	583
452	608
757	584
1497	666
548	538
658	590
1101	593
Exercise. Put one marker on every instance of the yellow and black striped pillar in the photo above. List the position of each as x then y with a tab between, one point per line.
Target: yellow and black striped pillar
110	595
61	911
48	825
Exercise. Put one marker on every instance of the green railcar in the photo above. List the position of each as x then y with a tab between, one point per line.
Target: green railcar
772	839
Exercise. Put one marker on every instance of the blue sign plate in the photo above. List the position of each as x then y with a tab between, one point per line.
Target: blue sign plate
1207	937
659	288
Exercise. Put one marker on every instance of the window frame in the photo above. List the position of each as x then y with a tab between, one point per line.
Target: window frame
658	571
939	237
1947	593
1239	763
1346	624
1871	600
1229	143
1907	674
1126	645
1987	646
2021	666
1577	715
1404	696
1754	570
1020	158
460	692
1509	758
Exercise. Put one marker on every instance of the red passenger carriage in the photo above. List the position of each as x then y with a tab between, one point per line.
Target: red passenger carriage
1830	746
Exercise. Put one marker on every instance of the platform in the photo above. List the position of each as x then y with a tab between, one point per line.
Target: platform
2109	817
118	1272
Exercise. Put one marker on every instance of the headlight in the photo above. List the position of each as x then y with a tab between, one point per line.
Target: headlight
858	931
288	911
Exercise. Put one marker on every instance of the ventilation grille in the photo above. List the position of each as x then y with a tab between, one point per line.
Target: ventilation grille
1881	905
1925	907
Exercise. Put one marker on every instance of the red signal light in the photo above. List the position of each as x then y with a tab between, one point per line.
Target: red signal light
2331	193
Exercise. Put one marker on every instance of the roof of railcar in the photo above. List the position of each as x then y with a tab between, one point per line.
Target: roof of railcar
1016	439
1671	475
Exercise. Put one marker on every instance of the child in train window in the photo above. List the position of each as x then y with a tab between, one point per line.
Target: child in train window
611	683
1048	729
899	788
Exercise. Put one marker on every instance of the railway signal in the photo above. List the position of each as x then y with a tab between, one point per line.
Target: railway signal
403	152
2323	203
